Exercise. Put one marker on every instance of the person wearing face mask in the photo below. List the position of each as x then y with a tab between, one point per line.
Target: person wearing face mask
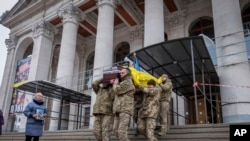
165	99
35	112
123	106
102	109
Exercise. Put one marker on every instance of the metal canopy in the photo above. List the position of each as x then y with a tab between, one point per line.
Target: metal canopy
53	90
181	59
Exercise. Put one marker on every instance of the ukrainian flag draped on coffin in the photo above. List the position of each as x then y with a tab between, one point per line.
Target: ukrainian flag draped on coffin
139	77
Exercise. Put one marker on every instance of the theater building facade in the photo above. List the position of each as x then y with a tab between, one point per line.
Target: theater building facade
70	42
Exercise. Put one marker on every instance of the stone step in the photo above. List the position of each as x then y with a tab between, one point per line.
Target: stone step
206	132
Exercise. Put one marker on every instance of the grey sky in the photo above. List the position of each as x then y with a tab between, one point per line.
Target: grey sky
4	34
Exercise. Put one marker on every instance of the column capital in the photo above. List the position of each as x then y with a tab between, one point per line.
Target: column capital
44	28
11	43
137	32
70	14
112	3
177	18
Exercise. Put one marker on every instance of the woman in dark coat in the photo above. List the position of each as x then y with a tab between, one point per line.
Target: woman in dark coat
1	121
35	112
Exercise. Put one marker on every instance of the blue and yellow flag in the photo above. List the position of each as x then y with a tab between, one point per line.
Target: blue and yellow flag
136	63
141	78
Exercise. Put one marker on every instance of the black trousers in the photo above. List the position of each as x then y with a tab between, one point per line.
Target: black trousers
35	138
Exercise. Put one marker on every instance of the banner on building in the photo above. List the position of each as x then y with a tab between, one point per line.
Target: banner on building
18	96
22	71
17	103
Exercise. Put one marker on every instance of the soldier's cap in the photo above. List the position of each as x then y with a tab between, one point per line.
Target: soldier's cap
164	75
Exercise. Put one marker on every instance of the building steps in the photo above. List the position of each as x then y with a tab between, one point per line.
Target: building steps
201	132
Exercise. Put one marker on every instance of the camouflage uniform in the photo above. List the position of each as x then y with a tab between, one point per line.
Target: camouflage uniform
102	110
165	99
149	112
137	106
123	106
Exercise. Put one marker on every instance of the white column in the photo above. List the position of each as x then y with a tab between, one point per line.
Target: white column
104	42
71	17
6	90
233	67
176	25
154	22
42	51
136	37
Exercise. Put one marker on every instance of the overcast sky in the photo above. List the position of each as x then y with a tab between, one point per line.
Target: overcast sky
4	34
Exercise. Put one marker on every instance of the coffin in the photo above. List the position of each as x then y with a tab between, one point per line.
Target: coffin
109	74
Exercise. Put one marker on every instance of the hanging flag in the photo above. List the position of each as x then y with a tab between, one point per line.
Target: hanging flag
136	63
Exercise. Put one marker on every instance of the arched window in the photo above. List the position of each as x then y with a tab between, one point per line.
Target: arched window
122	50
29	50
203	25
246	26
90	61
89	71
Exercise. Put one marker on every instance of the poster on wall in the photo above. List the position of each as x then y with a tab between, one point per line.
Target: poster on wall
22	71
18	122
17	103
18	96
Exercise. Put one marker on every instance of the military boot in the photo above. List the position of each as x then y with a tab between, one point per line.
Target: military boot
163	131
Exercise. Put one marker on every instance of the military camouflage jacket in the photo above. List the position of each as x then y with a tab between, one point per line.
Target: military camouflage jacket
151	104
124	96
166	93
138	98
104	98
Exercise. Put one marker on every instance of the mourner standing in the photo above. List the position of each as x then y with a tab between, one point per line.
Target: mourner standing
123	106
35	112
165	99
102	109
150	110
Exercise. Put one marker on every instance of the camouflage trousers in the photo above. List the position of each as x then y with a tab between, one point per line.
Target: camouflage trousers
146	127
102	127
163	116
121	123
136	114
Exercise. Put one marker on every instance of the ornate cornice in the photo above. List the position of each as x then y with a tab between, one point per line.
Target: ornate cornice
70	14
112	3
137	32
44	28
177	18
11	43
